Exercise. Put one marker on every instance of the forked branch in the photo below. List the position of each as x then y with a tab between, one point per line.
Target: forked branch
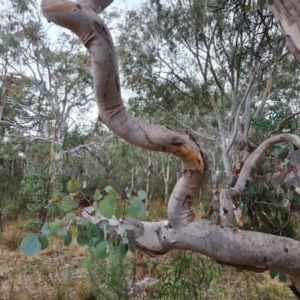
227	195
84	21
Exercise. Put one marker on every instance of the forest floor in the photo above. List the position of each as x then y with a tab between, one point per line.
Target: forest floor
60	273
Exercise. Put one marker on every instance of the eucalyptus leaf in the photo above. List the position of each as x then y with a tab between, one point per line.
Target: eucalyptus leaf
73	186
71	217
261	3
142	195
110	190
121	229
118	213
46	229
31	245
102	250
282	277
68	204
273	273
106	208
121	250
44	241
97	195
68	239
136	207
84	237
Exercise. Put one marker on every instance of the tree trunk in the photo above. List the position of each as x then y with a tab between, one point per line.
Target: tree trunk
148	183
166	175
286	12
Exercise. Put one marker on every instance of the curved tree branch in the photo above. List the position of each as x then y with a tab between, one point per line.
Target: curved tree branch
182	230
227	195
83	21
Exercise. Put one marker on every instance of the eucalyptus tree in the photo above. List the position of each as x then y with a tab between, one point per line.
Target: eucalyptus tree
207	64
43	94
244	249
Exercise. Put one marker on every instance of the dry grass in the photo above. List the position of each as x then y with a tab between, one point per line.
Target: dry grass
52	274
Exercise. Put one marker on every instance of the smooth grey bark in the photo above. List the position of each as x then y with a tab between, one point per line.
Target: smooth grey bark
286	12
249	250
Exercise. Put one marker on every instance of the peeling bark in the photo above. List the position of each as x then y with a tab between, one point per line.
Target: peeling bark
287	13
250	250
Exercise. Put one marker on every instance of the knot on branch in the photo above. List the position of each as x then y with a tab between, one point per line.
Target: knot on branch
227	207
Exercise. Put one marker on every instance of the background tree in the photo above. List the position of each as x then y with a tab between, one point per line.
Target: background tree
41	110
215	75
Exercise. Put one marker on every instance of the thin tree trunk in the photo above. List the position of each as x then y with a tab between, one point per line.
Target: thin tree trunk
148	183
166	175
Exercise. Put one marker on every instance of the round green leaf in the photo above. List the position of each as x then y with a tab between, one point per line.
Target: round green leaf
102	250
289	231
44	242
46	229
282	277
55	226
270	197
84	224
273	273
68	239
136	207
73	186
97	232
68	204
119	212
142	195
121	229
84	237
63	231
106	208
132	249
74	230
31	245
56	198
71	216
120	251
110	190
97	195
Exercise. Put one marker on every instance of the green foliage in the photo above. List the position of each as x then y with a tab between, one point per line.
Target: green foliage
32	225
273	114
98	233
68	203
34	185
106	207
273	274
270	200
31	245
136	207
97	195
262	3
102	250
112	278
184	276
44	241
73	186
